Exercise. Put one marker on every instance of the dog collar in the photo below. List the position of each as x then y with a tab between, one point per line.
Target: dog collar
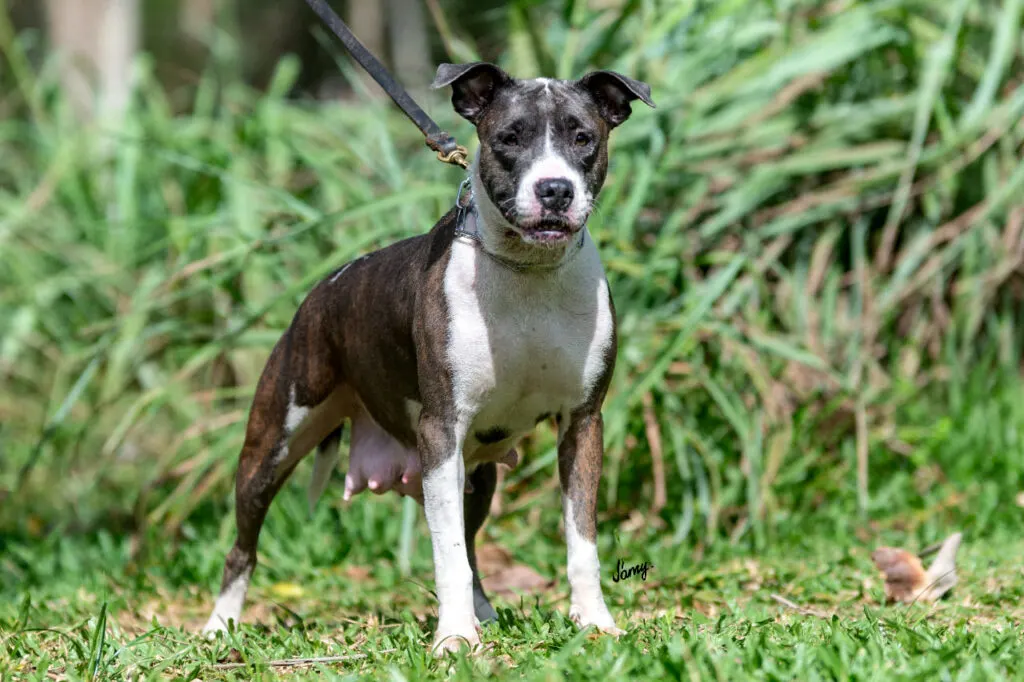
467	228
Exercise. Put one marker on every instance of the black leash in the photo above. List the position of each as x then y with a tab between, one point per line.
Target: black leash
448	150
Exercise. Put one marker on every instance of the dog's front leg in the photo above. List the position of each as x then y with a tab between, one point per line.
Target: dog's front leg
444	476
580	458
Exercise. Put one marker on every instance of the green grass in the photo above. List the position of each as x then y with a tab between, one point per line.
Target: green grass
707	618
815	247
331	584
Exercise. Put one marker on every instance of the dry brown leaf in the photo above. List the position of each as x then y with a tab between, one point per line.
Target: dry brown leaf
501	576
492	558
516	580
906	579
903	571
357	573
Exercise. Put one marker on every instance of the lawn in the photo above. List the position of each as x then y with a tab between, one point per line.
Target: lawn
326	589
807	605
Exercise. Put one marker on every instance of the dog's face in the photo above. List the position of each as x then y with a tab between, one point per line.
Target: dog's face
543	143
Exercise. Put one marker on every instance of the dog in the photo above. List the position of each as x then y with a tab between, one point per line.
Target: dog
445	349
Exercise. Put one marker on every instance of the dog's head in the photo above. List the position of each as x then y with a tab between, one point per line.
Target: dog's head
543	145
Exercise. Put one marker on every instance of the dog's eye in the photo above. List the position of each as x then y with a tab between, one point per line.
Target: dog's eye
509	139
582	139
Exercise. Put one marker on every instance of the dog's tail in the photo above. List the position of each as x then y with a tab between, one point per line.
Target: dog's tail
323	465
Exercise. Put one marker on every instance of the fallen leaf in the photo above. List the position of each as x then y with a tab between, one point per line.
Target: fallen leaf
906	579
903	571
501	576
516	580
635	522
492	558
357	572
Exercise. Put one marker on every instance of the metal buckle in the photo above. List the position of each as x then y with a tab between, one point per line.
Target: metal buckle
460	217
462	188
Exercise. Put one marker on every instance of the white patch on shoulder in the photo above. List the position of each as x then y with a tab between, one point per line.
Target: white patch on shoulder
229	605
468	351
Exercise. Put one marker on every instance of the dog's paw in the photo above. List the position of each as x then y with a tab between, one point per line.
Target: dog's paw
599	618
454	638
213	627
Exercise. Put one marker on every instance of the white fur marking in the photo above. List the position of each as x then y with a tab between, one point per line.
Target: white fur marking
587	605
442	503
345	267
552	165
473	372
520	344
493	231
594	364
229	605
523	345
296	413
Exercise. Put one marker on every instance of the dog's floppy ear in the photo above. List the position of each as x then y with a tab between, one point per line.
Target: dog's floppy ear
614	92
473	86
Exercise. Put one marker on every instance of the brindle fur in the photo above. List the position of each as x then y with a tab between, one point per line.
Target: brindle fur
372	335
380	295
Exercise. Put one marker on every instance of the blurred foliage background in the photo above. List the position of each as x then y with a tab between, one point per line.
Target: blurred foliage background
815	245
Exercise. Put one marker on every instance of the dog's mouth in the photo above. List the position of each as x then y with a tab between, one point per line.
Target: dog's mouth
550	229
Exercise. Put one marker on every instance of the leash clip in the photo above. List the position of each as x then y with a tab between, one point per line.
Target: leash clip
460	218
458	156
448	150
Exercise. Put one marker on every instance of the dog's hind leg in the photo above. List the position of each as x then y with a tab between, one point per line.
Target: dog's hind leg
277	436
476	506
324	463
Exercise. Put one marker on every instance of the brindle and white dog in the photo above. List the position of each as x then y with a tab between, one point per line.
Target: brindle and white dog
445	349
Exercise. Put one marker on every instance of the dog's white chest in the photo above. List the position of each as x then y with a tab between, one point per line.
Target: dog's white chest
523	346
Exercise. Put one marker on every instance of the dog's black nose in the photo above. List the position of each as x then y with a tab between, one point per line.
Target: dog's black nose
554	195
